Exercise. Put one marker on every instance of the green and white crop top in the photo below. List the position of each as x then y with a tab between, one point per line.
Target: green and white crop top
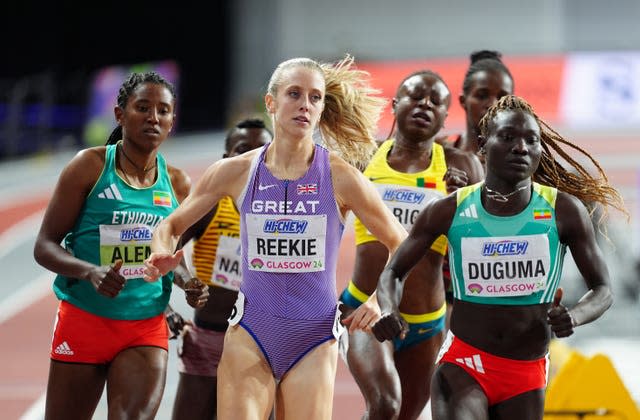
512	260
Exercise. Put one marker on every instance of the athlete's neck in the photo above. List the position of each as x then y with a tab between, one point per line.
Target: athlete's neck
289	159
410	157
411	148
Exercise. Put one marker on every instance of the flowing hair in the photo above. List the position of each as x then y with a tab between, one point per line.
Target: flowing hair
352	107
594	191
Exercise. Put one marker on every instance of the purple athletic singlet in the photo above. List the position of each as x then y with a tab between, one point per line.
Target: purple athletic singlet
290	231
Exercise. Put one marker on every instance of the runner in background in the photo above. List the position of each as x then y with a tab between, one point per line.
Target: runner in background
487	79
408	171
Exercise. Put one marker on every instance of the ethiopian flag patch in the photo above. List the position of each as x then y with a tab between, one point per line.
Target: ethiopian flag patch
541	214
426	182
161	198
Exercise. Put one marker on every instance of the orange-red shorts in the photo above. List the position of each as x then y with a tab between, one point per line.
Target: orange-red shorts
500	378
82	337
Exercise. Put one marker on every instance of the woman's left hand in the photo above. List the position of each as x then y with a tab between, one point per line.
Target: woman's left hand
559	317
390	326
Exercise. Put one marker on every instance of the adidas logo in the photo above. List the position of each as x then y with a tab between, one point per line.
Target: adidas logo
64	349
111	193
472	362
469	212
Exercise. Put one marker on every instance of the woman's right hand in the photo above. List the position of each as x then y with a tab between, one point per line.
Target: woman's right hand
196	292
107	280
158	264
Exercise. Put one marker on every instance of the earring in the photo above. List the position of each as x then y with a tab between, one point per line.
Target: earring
482	151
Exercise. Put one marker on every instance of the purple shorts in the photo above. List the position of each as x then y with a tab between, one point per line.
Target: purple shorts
283	341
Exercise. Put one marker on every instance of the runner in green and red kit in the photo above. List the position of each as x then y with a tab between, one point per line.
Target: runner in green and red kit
110	328
507	239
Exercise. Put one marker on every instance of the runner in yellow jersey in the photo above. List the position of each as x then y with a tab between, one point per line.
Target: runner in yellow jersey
408	171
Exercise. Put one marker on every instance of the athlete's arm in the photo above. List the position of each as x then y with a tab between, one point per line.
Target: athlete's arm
73	186
225	177
356	193
434	220
196	292
576	230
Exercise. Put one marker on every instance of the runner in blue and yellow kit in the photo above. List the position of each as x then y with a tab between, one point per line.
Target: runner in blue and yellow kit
407	171
507	240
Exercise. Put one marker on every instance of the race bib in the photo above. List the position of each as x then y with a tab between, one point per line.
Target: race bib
286	244
505	266
237	311
129	243
406	202
338	328
227	269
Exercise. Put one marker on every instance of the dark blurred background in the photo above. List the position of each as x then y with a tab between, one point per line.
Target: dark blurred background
53	51
62	60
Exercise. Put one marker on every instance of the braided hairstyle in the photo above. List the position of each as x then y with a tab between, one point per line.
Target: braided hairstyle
484	60
349	121
594	191
126	89
416	73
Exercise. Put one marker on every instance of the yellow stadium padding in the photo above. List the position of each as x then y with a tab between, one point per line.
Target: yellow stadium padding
559	354
586	384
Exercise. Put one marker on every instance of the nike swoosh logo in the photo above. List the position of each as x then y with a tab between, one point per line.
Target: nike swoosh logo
265	187
379	178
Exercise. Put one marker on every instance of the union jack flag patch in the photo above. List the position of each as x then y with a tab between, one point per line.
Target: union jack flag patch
307	189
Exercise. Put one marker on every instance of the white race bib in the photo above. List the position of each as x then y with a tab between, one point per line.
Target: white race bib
286	244
505	266
227	269
406	202
129	243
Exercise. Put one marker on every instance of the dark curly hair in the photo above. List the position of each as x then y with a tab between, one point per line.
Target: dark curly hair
484	60
594	191
126	89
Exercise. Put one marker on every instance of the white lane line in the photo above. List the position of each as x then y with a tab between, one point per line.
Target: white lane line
26	295
14	237
19	233
36	411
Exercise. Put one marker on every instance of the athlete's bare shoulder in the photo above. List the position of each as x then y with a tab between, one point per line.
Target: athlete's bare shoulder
86	166
228	176
92	155
454	154
340	168
180	181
